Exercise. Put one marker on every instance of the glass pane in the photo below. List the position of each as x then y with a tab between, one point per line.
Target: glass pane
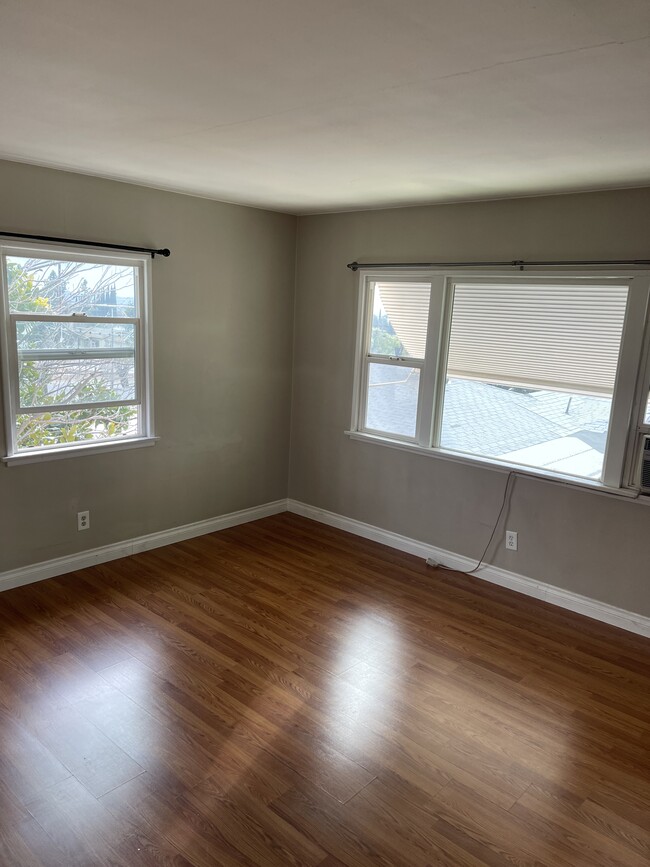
558	431
392	399
44	337
60	287
87	380
399	319
647	412
73	426
75	362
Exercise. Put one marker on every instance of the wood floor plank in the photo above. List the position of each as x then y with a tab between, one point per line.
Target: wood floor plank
258	833
379	810
161	750
174	821
620	801
586	843
22	844
216	715
283	693
72	819
91	757
329	825
591	815
27	766
508	836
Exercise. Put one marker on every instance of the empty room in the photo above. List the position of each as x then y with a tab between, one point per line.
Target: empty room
325	433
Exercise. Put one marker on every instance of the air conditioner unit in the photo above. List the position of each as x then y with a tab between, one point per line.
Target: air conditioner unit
645	465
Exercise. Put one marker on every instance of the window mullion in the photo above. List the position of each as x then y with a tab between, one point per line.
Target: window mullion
75	354
79	319
396	360
73	407
428	375
444	329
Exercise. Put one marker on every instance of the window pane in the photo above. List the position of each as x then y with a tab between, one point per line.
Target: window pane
392	399
647	412
60	287
558	431
75	362
531	373
76	380
399	319
40	338
73	426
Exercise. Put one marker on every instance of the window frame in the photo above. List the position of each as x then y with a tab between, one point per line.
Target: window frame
143	360
629	397
365	359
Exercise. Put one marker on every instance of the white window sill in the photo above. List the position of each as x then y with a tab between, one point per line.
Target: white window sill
75	451
489	463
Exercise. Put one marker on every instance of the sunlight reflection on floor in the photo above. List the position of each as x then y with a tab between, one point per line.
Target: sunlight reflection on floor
361	703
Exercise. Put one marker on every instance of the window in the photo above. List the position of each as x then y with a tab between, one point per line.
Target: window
395	360
530	370
76	351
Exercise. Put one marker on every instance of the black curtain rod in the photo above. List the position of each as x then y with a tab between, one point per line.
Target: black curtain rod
513	263
165	251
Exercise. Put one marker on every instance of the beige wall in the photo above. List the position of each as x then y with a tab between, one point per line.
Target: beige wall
586	543
222	308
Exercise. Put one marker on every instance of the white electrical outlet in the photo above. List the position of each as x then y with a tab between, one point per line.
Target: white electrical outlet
511	540
83	520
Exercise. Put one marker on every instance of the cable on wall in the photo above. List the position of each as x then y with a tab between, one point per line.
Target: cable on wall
506	497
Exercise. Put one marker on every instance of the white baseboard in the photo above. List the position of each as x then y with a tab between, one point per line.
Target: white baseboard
547	592
72	562
628	620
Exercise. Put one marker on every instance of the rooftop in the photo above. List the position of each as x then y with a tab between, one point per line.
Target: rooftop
552	430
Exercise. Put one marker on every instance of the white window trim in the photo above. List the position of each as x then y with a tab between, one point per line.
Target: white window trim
34	456
143	351
621	460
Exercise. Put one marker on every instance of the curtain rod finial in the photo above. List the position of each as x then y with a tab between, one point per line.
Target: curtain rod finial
353	266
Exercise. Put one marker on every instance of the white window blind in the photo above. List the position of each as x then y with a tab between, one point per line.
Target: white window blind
555	337
407	307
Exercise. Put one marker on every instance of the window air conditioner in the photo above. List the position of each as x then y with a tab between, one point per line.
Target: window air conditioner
645	466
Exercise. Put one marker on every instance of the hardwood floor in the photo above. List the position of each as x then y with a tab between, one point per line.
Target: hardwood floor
282	693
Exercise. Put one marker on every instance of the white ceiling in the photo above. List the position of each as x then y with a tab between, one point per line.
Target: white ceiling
317	105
